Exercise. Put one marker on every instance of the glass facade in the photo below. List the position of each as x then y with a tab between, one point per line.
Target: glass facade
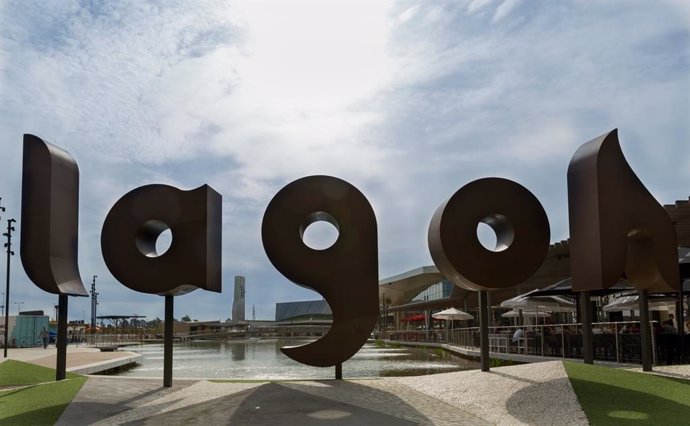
292	310
440	290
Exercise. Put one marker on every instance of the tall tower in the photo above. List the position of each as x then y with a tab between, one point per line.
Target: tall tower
238	300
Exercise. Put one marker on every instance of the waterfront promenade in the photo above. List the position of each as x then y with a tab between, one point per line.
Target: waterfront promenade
80	359
534	394
507	395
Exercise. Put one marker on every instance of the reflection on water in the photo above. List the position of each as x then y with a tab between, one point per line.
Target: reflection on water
238	351
262	359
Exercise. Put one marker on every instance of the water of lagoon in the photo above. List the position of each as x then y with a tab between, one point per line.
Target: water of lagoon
262	359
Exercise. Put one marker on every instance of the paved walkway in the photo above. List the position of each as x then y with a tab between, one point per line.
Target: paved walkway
678	371
80	359
32	354
529	394
380	402
533	394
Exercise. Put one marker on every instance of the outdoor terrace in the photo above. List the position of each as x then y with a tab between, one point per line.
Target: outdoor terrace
617	342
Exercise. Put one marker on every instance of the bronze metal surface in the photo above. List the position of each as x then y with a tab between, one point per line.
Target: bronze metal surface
617	228
50	215
345	274
128	239
520	223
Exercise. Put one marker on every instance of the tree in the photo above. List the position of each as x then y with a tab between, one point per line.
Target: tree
186	318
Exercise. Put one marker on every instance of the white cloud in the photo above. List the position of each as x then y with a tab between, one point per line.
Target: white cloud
406	100
408	14
477	5
505	9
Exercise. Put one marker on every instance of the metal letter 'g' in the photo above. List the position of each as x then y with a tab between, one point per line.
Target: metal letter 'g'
130	231
345	274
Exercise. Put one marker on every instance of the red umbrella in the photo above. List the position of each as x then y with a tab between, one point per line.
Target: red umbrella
418	317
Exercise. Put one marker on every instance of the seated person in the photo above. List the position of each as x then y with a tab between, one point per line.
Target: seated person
668	328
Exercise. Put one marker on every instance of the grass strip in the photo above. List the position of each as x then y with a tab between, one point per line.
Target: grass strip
17	373
41	400
38	405
611	396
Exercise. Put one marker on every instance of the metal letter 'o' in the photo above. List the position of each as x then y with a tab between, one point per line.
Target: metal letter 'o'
520	223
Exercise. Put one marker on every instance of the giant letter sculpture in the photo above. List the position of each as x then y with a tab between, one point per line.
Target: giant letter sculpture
128	242
345	274
616	225
130	231
522	231
520	224
49	233
617	229
50	216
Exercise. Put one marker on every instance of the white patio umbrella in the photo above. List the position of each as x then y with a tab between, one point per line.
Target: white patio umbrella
539	303
451	314
529	313
538	312
625	303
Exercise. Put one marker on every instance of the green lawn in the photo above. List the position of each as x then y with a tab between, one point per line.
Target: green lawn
611	396
41	400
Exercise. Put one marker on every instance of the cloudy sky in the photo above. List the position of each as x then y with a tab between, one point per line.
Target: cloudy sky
406	100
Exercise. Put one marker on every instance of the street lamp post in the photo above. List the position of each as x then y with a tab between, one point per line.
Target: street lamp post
8	245
94	304
19	306
2	209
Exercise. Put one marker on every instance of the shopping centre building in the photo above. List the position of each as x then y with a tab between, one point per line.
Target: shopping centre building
408	300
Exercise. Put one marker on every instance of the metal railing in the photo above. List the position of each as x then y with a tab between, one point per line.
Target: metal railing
108	340
612	341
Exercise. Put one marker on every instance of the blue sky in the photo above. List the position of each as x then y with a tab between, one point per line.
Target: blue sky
406	100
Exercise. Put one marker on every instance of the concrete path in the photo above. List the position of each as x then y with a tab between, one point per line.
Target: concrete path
528	394
80	359
380	402
534	394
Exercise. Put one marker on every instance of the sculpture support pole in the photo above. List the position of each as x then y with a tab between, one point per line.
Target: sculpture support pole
645	336
339	371
168	342
586	314
61	339
681	323
7	304
484	330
